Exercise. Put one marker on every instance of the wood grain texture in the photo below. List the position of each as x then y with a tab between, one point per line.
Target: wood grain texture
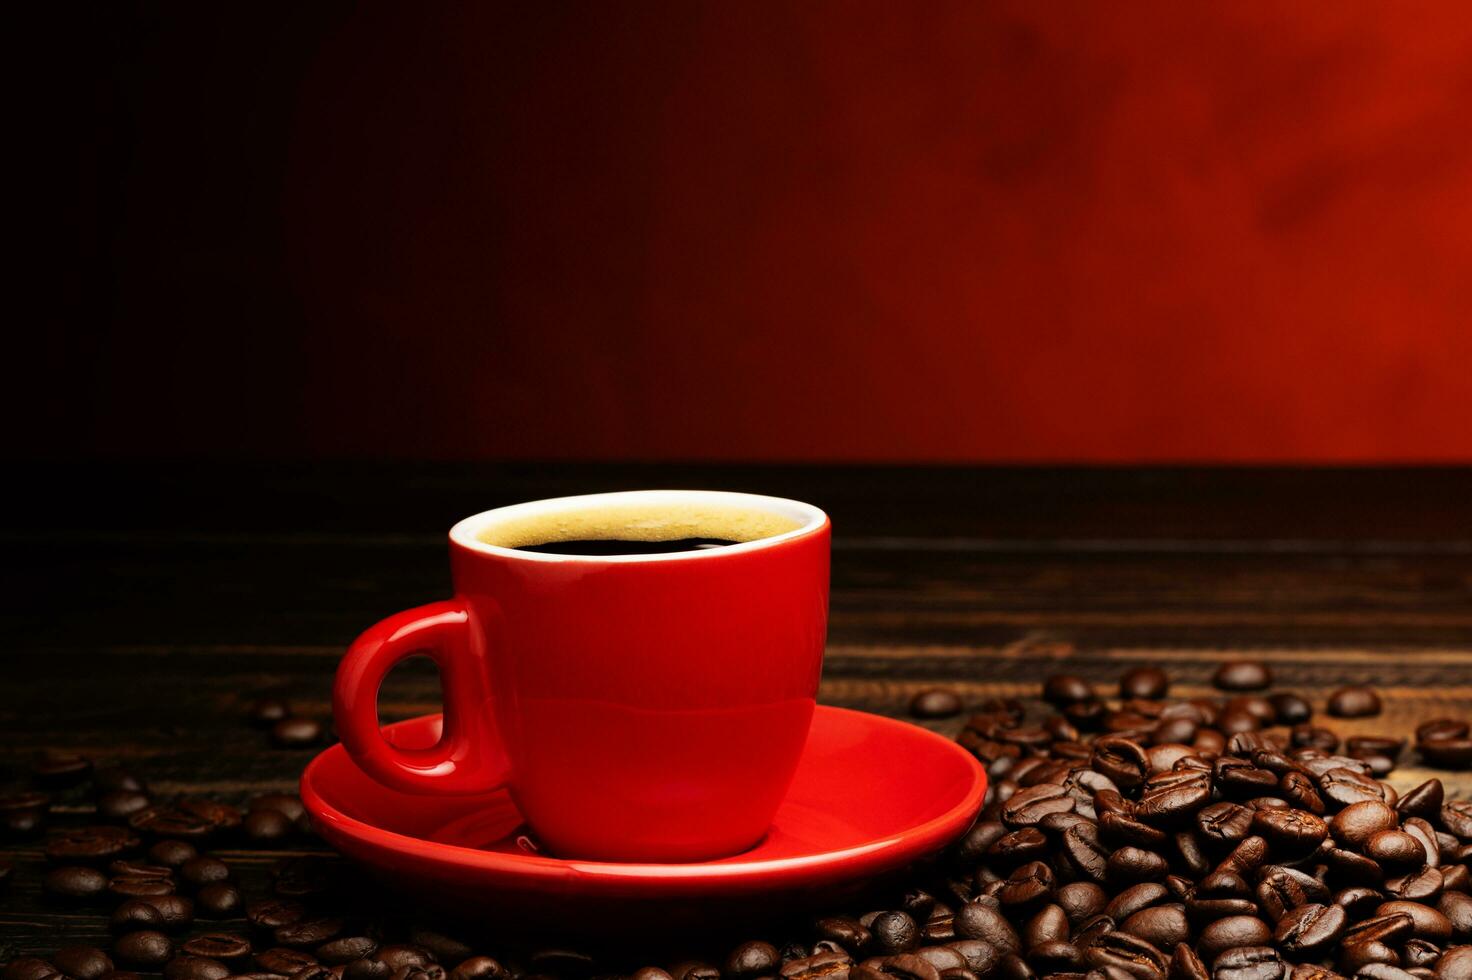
140	632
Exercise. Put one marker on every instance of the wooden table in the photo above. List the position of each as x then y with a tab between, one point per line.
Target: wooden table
148	605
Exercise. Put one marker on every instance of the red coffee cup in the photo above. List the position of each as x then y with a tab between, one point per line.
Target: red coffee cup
638	707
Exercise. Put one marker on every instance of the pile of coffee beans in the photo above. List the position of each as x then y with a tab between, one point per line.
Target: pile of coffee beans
1123	837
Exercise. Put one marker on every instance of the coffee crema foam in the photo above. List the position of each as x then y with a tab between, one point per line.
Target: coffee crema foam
638	522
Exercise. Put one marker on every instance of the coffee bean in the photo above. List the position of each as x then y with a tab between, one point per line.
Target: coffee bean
1249	963
1395	849
1290	831
1290	709
1354	825
1162	926
345	950
936	702
1447	753
1064	689
125	868
819	966
1354	702
1128	954
894	932
1426	922
1026	888
267	826
147	949
1442	728
485	968
296	733
176	910
1081	900
171	822
1144	682
753	959
90	845
288	961
979	921
172	853
1122	760
75	883
217	946
1455	964
273	913
82	962
1186	965
1309	931
29	968
1242	675
218	901
201	871
1383	971
140	886
57	768
120	804
195	968
287	803
1457	907
373	968
267	712
1354	956
1028	806
1230	932
1129	865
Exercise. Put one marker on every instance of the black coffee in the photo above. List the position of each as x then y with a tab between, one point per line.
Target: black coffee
613	546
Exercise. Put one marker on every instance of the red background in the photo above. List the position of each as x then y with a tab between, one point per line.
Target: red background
870	231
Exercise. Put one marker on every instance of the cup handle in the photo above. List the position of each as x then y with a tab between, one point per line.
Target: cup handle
459	763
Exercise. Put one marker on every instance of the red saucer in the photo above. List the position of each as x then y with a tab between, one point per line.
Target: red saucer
871	795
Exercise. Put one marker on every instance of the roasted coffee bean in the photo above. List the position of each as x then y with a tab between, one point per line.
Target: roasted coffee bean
1064	689
1290	709
177	911
140	886
819	966
1353	826
1438	729
976	920
373	968
1391	928
82	962
309	932
346	949
75	883
1122	760
1162	926
1345	787
1026	887
29	968
147	949
1418	952
1309	931
139	869
1426	922
195	968
1130	955
267	826
267	712
1354	702
751	959
218	901
57	767
1081	900
486	968
296	733
1447	753
136	914
120	804
1249	963
287	803
1048	924
1144	682
171	822
1131	900
1356	955
1028	806
172	853
1129	865
1455	964
1395	849
1457	907
1242	675
844	931
894	932
1383	971
1280	889
936	702
1186	965
201	871
90	845
217	946
273	913
1224	823
290	961
1456	818
1422	885
1018	847
1290	832
1230	932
